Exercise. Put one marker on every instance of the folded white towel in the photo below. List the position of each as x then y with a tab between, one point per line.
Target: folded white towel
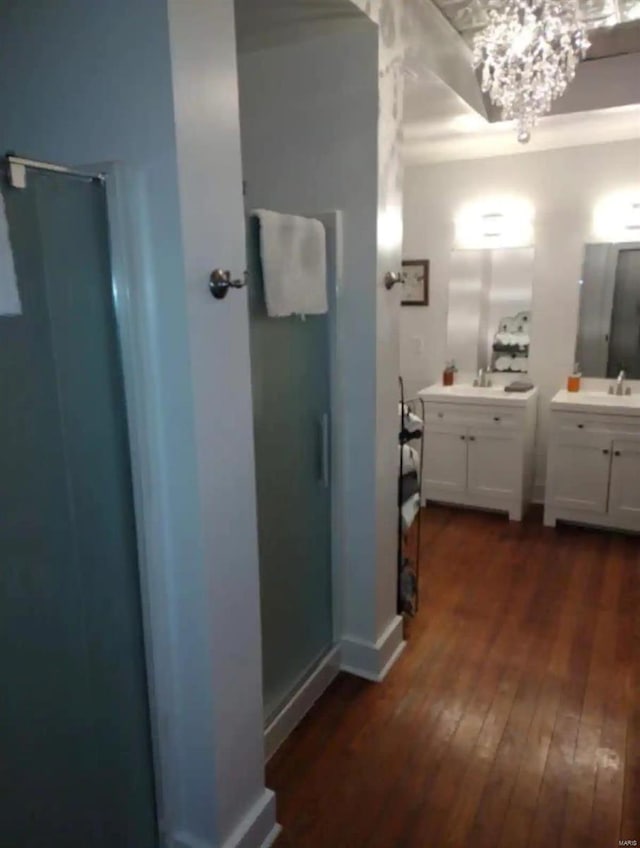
294	264
410	422
9	297
409	510
511	363
410	459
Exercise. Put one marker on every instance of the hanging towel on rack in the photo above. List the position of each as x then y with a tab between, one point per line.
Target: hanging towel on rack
9	297
294	264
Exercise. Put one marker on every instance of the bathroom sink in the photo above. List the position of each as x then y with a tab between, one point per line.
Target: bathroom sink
474	390
594	401
467	393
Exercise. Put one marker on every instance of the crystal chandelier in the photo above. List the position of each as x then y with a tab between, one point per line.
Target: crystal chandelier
529	53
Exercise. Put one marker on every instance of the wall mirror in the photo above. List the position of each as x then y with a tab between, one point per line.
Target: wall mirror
609	321
489	320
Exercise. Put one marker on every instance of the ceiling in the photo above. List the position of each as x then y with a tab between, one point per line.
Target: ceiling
601	105
469	16
446	115
261	25
455	131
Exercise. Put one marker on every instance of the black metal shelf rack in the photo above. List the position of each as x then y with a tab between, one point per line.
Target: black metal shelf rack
409	484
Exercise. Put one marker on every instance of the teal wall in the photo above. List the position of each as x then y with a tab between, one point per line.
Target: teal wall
91	82
86	81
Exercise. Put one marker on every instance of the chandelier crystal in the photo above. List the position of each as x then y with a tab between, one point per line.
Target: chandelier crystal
529	52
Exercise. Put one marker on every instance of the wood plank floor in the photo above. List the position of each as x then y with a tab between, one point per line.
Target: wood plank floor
512	720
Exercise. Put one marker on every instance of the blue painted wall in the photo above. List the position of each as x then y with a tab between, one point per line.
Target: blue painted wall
88	81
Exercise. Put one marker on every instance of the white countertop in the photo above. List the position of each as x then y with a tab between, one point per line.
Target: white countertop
597	402
465	393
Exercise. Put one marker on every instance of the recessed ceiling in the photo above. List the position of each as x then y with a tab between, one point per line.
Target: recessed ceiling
602	104
470	16
454	131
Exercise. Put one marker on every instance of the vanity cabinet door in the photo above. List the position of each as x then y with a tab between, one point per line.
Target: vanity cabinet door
578	471
445	458
494	467
624	491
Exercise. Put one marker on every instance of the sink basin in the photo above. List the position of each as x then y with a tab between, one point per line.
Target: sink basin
467	393
597	402
463	389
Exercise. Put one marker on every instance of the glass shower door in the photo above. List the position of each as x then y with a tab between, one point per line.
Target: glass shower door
291	398
75	763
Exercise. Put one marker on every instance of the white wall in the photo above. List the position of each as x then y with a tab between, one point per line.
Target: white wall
224	651
564	187
100	82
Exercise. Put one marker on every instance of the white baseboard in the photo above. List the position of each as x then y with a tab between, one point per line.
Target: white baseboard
271	838
373	660
296	709
257	829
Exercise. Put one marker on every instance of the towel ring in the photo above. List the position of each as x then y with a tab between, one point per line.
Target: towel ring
220	282
392	278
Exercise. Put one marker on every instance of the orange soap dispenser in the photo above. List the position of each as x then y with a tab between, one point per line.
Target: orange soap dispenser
449	373
573	380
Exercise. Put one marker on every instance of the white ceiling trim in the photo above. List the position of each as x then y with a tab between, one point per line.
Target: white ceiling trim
470	137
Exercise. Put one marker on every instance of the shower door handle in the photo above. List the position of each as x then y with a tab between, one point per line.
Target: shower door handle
324	450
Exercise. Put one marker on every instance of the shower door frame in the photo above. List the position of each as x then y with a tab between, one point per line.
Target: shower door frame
132	335
327	667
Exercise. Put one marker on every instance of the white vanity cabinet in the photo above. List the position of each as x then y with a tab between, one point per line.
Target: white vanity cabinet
593	466
479	447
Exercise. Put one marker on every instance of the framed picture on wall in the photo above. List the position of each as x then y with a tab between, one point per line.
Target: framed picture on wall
415	276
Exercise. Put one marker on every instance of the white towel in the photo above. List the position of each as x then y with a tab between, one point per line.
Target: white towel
411	423
9	297
518	364
294	264
410	459
409	510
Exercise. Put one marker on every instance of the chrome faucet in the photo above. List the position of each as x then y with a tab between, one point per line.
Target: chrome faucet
482	381
620	389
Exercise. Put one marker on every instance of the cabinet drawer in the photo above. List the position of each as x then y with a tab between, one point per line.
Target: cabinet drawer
577	422
469	414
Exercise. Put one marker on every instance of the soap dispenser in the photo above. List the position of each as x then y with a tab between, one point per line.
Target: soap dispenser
448	375
573	380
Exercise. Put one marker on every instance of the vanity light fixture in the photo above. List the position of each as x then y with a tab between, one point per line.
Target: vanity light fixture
528	53
635	217
504	221
493	225
616	217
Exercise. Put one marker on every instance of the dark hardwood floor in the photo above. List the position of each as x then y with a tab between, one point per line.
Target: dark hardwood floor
512	720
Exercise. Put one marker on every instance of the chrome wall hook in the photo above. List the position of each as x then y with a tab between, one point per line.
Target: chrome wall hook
220	282
392	278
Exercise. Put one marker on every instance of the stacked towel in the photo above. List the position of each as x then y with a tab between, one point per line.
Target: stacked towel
519	364
294	264
9	297
410	423
410	509
506	341
410	459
